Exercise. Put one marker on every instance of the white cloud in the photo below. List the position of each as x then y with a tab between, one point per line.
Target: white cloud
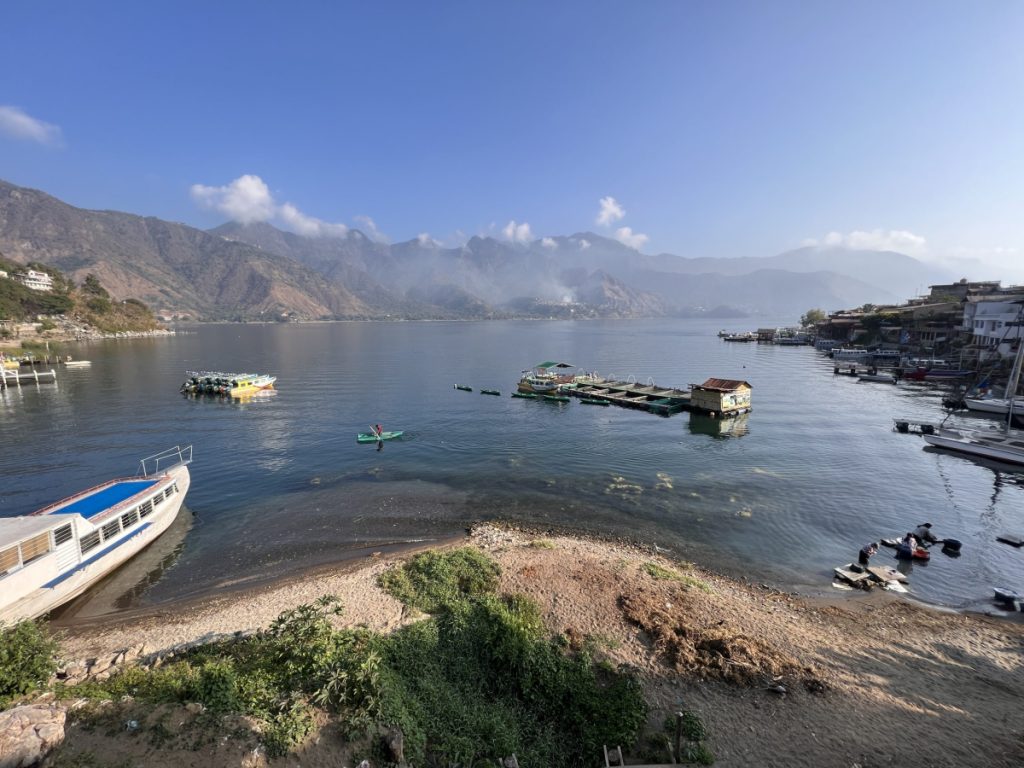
897	240
517	233
427	241
610	212
248	199
549	242
627	236
584	244
371	229
308	225
17	124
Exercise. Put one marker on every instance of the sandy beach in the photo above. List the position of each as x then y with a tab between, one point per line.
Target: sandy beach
870	680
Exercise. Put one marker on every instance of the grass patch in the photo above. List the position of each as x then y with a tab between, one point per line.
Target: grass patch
435	581
542	544
661	573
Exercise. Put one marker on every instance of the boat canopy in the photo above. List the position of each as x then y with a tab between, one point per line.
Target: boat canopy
14	530
550	364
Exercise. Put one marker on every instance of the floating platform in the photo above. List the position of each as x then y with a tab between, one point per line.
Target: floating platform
15	378
906	426
647	397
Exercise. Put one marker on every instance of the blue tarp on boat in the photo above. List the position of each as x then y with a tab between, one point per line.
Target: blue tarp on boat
105	498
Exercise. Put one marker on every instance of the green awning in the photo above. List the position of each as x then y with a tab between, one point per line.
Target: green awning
551	364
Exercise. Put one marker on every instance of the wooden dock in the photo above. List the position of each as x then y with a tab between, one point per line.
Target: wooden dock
15	378
646	397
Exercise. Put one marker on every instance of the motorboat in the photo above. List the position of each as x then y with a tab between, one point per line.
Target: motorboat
53	555
997	405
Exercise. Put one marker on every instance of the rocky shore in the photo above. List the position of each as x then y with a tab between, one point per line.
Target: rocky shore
778	680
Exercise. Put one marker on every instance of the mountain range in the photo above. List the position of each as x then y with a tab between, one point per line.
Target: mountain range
256	271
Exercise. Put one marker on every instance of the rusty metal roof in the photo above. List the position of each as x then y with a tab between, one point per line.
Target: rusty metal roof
724	385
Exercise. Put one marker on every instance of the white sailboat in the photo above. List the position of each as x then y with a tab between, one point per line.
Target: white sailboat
1004	444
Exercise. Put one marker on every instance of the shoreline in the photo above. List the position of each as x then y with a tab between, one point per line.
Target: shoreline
869	681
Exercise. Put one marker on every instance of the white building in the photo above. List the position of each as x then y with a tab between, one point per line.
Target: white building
37	281
994	323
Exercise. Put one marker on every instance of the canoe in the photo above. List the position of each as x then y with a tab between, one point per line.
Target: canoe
525	395
490	392
592	401
557	398
463	387
369	437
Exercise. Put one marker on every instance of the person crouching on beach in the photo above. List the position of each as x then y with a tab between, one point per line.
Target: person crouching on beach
866	552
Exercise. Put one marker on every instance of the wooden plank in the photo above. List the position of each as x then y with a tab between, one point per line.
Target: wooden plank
886	573
845	573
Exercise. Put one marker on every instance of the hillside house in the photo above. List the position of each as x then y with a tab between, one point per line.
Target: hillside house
721	397
37	281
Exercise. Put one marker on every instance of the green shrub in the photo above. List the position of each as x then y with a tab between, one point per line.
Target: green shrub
217	687
434	581
28	657
287	728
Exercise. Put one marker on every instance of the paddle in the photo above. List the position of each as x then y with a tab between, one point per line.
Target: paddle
373	431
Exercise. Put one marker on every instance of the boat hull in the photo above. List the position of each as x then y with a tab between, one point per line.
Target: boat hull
965	445
368	437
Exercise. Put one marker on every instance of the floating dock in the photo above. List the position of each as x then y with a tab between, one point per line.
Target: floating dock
647	397
15	378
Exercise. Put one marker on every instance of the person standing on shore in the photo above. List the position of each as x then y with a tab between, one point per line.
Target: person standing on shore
866	552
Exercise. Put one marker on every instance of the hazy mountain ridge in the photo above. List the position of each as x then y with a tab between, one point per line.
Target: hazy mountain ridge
249	271
171	267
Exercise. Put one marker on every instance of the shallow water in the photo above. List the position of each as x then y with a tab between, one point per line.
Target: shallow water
279	482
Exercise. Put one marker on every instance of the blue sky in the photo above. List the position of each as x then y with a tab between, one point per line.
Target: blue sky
716	128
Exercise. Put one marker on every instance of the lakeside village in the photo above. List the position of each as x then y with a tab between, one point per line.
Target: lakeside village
965	334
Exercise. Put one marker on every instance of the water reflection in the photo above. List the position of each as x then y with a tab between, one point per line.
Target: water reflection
733	426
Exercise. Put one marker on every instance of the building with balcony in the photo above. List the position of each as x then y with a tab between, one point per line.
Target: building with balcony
37	281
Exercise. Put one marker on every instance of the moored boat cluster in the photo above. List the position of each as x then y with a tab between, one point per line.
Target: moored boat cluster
231	384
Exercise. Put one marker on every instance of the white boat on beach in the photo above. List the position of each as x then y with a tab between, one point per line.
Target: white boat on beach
56	553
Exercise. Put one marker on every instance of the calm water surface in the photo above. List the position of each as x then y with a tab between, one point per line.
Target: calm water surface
279	483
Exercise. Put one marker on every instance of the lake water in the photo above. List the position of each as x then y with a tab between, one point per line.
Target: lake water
279	483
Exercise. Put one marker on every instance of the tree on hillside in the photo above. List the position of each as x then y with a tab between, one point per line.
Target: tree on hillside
92	287
812	317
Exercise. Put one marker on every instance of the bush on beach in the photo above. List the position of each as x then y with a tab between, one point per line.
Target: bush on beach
477	680
28	657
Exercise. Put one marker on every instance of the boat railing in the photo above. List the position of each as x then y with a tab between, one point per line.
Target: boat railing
164	461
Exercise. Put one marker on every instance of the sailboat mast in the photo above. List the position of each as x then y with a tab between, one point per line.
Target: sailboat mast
1014	381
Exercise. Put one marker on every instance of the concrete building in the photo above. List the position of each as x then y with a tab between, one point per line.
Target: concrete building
993	323
37	281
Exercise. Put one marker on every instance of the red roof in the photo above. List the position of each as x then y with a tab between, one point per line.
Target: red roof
724	385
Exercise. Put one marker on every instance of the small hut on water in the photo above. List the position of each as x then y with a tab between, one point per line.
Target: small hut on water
721	397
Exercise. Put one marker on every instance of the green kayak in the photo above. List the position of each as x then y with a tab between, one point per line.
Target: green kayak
463	387
557	398
525	395
370	437
489	392
592	401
